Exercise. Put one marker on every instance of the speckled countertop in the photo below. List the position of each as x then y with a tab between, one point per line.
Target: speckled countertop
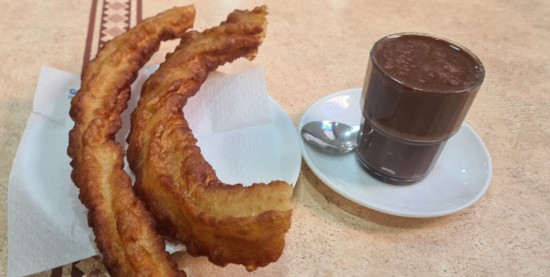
314	48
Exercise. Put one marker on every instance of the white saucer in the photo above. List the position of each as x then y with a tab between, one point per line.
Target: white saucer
460	177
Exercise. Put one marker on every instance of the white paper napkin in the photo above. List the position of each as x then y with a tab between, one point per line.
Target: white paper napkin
47	225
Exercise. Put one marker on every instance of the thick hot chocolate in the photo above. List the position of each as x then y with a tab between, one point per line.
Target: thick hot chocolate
421	87
418	90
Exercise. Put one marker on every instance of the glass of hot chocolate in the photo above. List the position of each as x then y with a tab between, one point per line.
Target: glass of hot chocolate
418	89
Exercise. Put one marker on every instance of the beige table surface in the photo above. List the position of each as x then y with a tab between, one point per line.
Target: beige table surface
314	48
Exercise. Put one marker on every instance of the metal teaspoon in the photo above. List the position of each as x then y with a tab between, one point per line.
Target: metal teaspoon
330	137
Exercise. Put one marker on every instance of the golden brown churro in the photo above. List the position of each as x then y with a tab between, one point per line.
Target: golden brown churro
227	223
123	228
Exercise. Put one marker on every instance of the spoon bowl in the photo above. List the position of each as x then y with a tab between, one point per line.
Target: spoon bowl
330	136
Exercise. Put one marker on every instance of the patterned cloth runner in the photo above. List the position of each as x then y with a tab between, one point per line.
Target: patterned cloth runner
109	18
